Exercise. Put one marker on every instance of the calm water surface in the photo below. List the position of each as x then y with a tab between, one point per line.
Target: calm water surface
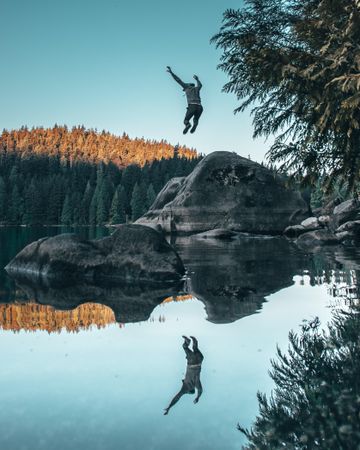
94	368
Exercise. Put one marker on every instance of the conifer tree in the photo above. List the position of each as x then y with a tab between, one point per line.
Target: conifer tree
66	213
57	197
297	63
130	176
2	199
117	211
14	175
101	215
76	208
150	196
85	204
93	208
15	207
156	179
33	212
28	207
138	206
315	401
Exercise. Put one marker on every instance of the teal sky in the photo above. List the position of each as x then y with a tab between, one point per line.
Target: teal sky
102	64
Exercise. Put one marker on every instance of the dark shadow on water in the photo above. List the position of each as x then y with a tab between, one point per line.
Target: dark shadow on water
233	278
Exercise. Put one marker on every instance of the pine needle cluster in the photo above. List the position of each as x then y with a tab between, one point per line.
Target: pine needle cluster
297	62
316	399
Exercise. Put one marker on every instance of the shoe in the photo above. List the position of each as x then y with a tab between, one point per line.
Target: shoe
187	340
195	341
186	129
193	129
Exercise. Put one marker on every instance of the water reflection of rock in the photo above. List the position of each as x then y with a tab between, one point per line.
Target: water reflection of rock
233	278
339	257
130	303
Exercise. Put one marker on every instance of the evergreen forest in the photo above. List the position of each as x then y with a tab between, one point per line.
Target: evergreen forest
81	177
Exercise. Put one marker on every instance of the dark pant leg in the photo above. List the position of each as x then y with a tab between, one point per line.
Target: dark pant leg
198	356
197	113
190	111
188	352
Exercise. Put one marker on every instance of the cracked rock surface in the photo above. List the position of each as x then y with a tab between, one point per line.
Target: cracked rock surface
226	191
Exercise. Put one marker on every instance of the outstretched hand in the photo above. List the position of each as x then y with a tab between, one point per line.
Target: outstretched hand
196	400
168	69
166	411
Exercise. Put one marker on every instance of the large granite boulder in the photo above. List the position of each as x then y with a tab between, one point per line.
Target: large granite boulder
227	191
133	253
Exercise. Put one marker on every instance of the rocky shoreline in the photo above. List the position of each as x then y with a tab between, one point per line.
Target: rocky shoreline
339	225
226	197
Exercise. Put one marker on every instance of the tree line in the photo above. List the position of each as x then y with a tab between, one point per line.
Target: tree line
88	145
40	189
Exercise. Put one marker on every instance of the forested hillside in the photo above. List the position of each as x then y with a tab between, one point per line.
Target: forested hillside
80	144
80	177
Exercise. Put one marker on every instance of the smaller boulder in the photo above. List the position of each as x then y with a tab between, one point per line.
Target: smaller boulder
317	238
311	223
218	233
353	226
294	231
349	231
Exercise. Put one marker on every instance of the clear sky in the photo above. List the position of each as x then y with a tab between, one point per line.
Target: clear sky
102	64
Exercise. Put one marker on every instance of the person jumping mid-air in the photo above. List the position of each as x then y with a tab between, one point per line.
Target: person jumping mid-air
194	109
192	377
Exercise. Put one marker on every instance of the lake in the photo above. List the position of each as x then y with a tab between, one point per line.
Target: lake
94	367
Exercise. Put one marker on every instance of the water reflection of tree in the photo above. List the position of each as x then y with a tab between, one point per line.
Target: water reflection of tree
32	317
316	400
343	284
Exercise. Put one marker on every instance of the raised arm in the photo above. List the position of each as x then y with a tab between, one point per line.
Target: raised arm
198	82
173	401
176	78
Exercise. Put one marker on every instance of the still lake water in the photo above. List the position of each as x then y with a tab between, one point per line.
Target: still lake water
96	368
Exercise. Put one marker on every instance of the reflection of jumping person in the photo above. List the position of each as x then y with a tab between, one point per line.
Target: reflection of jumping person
192	377
194	109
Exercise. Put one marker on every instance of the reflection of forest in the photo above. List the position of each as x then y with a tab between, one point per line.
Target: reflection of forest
178	298
32	317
